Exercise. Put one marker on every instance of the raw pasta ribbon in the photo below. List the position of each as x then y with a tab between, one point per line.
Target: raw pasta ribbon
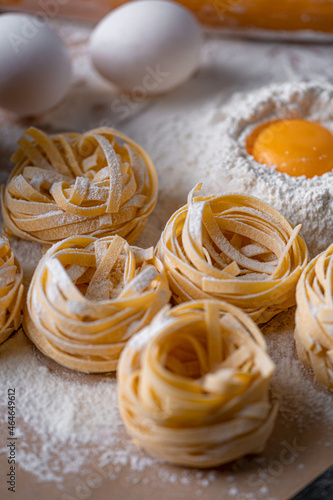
88	296
97	183
314	317
194	385
235	248
11	291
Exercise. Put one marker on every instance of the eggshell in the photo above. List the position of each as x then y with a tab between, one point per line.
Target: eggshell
35	67
149	46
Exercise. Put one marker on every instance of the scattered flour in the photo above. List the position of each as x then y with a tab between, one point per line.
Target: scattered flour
61	412
302	400
68	421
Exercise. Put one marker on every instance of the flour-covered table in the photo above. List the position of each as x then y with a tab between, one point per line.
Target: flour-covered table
69	439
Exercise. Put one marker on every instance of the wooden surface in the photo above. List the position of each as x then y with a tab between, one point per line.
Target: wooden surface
320	489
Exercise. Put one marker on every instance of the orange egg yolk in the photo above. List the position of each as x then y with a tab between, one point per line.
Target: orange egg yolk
295	147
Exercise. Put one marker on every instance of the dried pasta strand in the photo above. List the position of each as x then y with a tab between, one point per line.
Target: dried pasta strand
188	404
234	248
88	296
11	291
314	317
98	183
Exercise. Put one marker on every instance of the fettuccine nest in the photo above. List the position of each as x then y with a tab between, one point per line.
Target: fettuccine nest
98	183
11	291
194	385
314	317
88	296
234	248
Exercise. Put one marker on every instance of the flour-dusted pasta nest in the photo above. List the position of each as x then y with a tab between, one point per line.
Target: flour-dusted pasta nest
314	317
234	248
98	183
194	385
11	291
88	296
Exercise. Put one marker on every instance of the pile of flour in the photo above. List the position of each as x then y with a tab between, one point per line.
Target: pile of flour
300	200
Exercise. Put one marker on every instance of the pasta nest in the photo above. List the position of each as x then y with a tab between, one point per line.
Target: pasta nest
88	296
314	317
234	248
11	291
98	183
194	386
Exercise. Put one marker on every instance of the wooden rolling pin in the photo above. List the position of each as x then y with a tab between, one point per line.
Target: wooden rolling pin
281	15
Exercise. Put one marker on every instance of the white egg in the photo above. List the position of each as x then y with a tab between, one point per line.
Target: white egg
147	47
35	67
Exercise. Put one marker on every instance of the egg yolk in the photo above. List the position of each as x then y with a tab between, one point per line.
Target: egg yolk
294	147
